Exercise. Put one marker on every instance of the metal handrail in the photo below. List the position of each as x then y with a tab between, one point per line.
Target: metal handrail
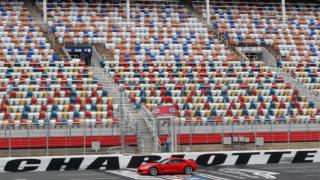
146	118
147	115
227	4
131	119
174	3
141	142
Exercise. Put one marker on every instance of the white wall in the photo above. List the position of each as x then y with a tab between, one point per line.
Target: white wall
118	161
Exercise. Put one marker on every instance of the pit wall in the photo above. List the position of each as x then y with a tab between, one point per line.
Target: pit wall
119	161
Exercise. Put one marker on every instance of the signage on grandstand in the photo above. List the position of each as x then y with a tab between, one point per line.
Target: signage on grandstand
114	162
164	111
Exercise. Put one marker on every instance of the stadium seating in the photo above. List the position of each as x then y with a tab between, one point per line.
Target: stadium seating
37	87
297	41
166	56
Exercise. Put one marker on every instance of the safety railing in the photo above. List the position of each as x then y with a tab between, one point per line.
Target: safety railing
148	118
130	117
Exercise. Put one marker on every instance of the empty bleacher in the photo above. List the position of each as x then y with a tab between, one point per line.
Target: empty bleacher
166	56
296	41
163	55
39	88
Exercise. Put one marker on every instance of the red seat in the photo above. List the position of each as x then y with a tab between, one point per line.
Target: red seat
71	107
7	116
110	107
44	107
67	93
110	114
34	101
88	114
3	108
88	100
50	100
42	115
13	94
99	100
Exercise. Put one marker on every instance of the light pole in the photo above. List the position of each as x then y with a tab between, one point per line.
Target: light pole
173	133
208	12
155	135
283	7
128	10
45	15
122	120
47	138
10	149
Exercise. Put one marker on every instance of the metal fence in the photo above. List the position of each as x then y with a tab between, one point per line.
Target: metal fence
64	140
105	139
243	136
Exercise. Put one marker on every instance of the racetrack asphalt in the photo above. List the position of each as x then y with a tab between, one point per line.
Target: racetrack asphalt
305	171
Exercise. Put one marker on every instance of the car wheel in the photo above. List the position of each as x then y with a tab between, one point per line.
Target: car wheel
153	171
188	170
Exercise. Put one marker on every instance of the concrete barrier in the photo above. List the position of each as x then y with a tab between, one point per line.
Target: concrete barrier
119	161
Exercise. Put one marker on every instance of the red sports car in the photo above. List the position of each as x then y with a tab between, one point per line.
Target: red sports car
168	166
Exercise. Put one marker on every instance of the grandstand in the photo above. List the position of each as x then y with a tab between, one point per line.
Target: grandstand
165	53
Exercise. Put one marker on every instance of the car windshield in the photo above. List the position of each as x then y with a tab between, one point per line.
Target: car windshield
164	161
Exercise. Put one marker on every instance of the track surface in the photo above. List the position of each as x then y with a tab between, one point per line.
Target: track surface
277	171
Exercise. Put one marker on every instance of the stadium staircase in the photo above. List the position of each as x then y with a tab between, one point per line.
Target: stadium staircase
135	118
271	62
38	17
214	32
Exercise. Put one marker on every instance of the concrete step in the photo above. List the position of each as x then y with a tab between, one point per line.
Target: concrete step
50	37
113	90
271	62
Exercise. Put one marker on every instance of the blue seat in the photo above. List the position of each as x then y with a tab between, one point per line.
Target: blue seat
26	108
76	115
93	107
104	93
54	115
24	115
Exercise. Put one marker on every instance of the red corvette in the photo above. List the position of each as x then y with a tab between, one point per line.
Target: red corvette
168	166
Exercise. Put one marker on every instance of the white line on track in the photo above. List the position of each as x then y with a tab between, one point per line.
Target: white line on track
317	175
76	174
93	178
302	171
290	171
223	174
133	175
286	167
210	176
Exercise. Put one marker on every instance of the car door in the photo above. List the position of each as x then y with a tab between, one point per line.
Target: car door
179	166
168	168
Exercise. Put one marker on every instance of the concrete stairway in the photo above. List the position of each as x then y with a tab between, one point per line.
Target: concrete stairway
54	43
271	62
136	118
214	32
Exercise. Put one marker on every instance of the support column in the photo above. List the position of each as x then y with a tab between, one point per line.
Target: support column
173	135
283	6
208	11
45	16
122	120
128	10
155	135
